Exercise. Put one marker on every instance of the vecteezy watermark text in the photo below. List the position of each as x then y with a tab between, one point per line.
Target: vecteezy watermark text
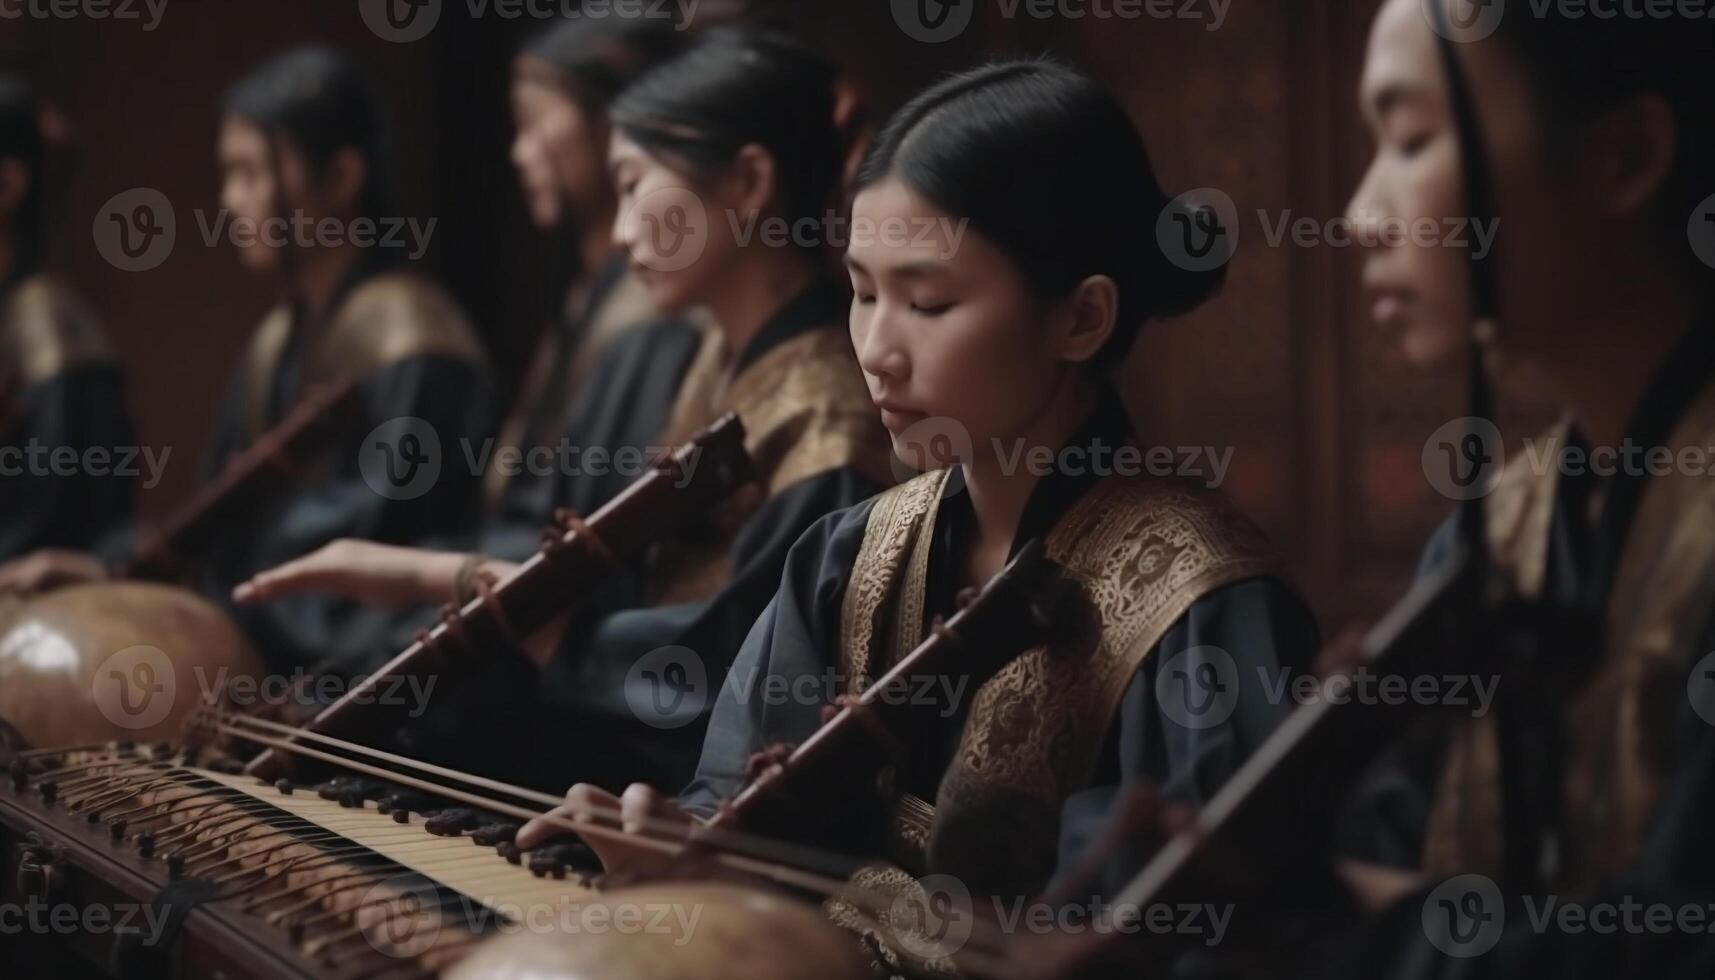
36	459
147	11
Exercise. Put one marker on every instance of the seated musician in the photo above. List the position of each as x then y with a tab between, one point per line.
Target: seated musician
742	124
1002	345
60	385
302	141
564	81
1600	147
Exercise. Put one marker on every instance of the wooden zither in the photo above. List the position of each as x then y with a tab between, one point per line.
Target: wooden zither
211	873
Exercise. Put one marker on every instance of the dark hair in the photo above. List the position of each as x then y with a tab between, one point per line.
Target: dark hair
21	139
593	59
1583	66
1047	166
317	100
734	87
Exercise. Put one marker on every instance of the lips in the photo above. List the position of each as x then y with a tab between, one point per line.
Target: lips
897	417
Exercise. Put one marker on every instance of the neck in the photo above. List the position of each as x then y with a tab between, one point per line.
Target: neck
758	283
998	492
595	242
8	253
318	274
1604	373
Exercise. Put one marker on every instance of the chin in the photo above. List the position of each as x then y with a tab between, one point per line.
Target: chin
258	258
1430	344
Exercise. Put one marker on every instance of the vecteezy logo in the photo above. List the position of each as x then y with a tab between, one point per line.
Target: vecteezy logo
401	916
667	687
135	230
1700	689
1199	230
930	443
1464	20
401	458
1701	231
1461	458
135	688
1199	687
1464	916
932	917
933	21
400	21
670	229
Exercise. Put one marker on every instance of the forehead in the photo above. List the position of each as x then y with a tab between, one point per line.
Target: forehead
241	136
1402	60
892	223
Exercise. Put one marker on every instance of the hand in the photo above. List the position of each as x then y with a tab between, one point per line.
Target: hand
365	571
50	568
643	812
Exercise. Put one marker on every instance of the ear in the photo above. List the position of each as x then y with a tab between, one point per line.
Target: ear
14	185
1629	153
1087	318
342	184
752	179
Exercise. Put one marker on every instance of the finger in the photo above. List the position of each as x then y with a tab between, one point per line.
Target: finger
311	573
584	804
642	804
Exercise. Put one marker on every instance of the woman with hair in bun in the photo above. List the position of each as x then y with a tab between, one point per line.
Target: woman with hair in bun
303	144
60	384
564	82
734	136
1000	345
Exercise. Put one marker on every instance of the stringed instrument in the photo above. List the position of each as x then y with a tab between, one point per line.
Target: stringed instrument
680	487
806	812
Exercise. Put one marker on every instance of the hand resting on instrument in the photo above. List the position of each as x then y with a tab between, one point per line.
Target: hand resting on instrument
50	568
644	813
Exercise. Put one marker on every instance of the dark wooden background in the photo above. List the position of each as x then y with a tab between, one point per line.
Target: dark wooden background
1326	422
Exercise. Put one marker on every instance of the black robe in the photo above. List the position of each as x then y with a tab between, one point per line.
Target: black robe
444	383
581	711
1675	865
1262	623
61	388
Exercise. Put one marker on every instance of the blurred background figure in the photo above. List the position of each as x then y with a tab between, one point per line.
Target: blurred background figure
61	388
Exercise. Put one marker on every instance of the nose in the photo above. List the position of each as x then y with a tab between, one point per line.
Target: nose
1364	210
624	227
876	339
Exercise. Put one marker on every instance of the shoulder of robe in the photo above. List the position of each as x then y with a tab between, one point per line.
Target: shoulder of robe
394	316
806	411
46	328
1520	510
1143	530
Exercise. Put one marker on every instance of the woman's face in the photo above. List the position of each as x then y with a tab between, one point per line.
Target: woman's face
674	229
559	151
273	199
1417	286
946	330
1551	238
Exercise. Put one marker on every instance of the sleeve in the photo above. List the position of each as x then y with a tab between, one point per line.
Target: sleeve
1254	636
48	498
596	681
453	399
793	638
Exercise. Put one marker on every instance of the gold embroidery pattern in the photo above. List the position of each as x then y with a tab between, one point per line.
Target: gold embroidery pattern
46	328
1618	723
1144	551
896	520
1464	823
806	412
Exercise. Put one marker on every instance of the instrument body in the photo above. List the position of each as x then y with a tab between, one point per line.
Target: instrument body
283	884
695	477
108	660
